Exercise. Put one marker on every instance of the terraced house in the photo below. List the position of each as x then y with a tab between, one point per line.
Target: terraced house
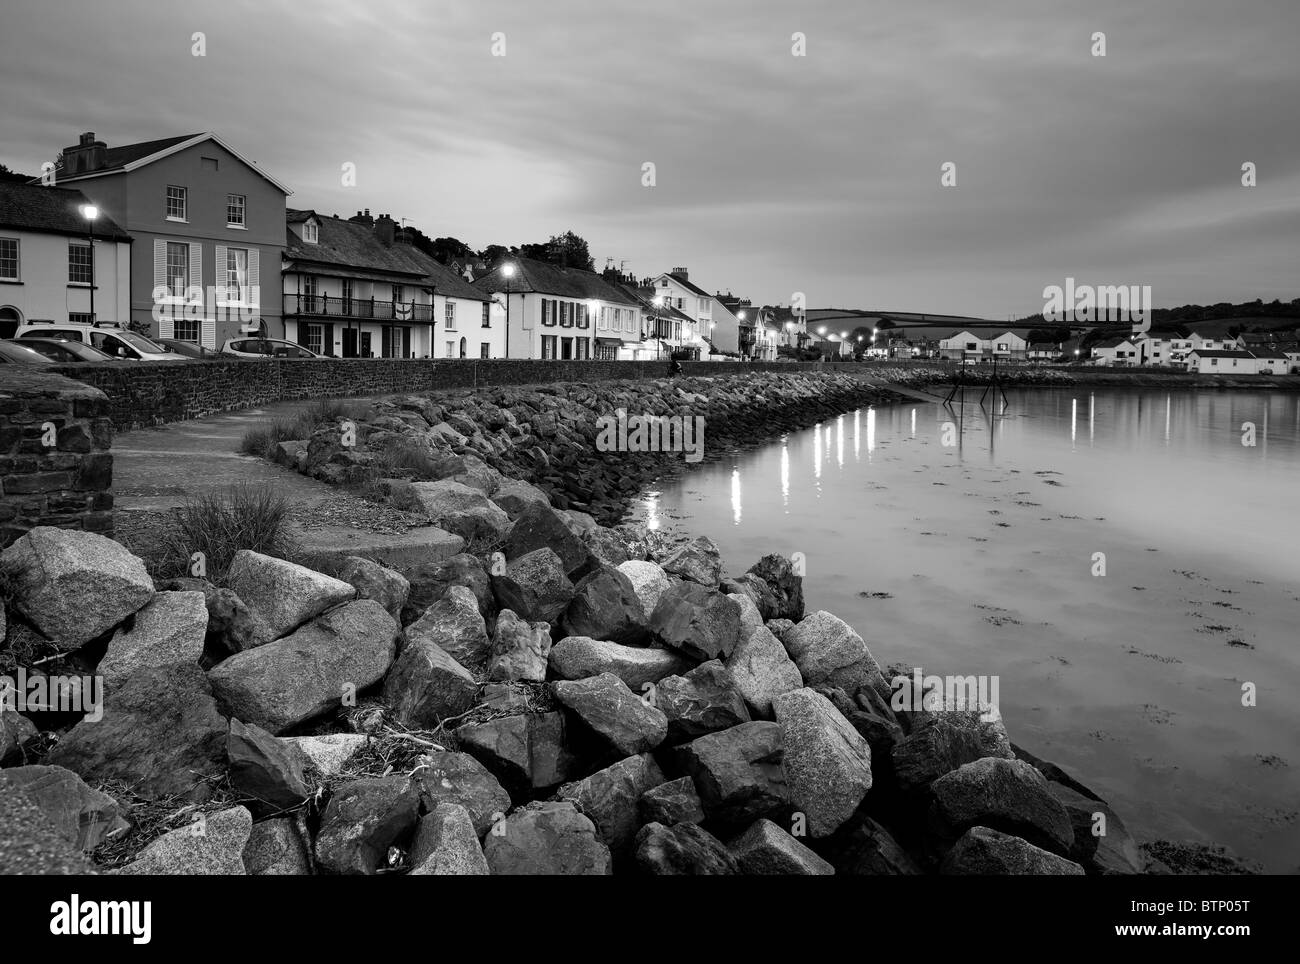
206	223
357	288
676	289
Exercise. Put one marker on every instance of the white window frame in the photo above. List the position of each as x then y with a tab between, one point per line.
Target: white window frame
184	200
184	326
167	277
240	293
81	245
449	316
311	232
18	260
242	206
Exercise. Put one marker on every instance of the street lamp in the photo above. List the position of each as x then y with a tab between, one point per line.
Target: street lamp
509	271
90	212
593	308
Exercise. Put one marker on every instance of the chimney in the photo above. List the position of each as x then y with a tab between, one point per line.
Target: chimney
87	155
385	229
681	273
365	219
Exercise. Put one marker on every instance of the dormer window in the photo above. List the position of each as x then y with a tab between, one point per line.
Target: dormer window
311	232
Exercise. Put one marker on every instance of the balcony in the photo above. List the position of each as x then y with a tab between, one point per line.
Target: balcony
356	309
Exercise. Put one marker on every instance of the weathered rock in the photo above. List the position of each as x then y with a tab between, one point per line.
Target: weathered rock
827	762
456	626
160	734
738	773
263	768
940	743
505	698
465	511
547	838
218	850
539	527
82	816
362	820
626	723
649	581
446	844
699	561
170	628
72	585
580	657
985	852
779	628
328	752
275	849
871	716
865	848
477	474
516	496
703	623
762	670
430	582
527	753
29	843
457	778
752	588
1006	795
282	595
609	797
611	546
828	652
784	584
15	731
605	606
372	581
289	681
767	849
1102	844
750	619
671	803
701	701
534	586
682	850
426	685
519	649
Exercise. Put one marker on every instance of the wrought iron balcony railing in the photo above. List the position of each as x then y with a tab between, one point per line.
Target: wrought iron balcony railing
360	309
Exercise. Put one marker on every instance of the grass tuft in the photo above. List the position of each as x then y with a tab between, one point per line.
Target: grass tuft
242	517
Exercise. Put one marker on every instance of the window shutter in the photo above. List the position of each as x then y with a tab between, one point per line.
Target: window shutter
327	340
196	265
223	294
208	333
159	263
254	278
167	323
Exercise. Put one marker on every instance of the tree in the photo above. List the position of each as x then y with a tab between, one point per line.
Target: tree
567	250
12	177
1051	336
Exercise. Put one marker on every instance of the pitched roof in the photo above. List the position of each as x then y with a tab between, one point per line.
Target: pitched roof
550	279
51	210
693	288
131	156
1218	353
1113	342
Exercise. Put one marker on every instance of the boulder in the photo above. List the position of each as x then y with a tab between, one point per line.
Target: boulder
306	674
456	626
580	657
462	510
610	546
426	686
15	731
698	561
940	743
215	850
445	777
999	794
750	619
827	763
605	606
671	803
29	843
682	850
984	852
516	496
263	768
648	581
160	734
768	850
282	595
362	820
519	649
865	848
701	701
703	623
1102	844
372	581
430	582
609	797
275	849
620	718
528	753
546	838
73	586
82	816
534	586
539	527
762	670
446	844
784	584
170	628
828	652
477	474
738	773
328	752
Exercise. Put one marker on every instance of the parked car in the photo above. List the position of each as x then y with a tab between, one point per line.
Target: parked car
63	350
108	337
14	353
187	348
266	348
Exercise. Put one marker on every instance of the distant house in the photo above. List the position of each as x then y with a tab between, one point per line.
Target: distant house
207	222
1007	346
961	345
357	288
677	290
1211	361
1117	352
1163	349
725	333
47	267
1042	351
1272	362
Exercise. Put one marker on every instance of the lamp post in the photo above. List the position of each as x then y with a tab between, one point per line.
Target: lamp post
90	212
659	304
509	271
593	309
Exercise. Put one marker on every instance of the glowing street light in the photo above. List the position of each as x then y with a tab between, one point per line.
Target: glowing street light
508	270
90	212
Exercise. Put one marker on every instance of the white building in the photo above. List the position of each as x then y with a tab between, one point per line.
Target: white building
1211	361
47	267
677	290
1115	352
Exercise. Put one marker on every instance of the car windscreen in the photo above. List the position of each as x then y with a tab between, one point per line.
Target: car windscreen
140	343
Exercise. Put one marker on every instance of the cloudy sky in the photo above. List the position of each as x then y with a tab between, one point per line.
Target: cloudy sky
775	173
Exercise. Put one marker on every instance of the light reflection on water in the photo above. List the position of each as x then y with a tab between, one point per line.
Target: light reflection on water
1131	680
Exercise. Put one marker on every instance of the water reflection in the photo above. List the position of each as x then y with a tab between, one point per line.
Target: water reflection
785	477
735	497
871	432
857	425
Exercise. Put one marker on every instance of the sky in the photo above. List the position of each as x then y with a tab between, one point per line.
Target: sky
773	173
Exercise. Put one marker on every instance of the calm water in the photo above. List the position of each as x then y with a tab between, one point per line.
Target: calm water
978	558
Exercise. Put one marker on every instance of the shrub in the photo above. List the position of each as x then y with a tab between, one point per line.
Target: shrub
243	517
262	441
